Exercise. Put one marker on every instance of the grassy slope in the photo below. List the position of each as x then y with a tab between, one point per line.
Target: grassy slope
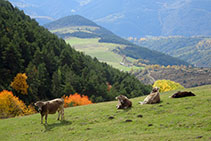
102	51
172	119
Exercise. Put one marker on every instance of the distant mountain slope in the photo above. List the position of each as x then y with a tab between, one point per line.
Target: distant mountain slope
53	68
194	50
187	77
126	18
150	56
78	26
68	21
83	28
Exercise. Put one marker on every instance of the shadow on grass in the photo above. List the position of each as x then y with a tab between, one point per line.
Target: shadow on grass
124	110
48	127
128	109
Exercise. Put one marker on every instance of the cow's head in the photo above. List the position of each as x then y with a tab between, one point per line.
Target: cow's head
121	98
39	104
191	94
155	89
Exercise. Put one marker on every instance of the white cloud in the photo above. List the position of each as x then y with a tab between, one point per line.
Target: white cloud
73	11
84	2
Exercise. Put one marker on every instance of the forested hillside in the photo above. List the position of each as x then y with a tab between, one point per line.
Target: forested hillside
149	56
195	50
53	68
80	27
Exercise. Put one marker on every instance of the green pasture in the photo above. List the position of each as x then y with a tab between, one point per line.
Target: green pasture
102	51
186	118
72	29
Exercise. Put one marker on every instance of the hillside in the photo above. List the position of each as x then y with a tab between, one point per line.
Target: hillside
194	50
186	76
80	27
173	119
52	67
129	18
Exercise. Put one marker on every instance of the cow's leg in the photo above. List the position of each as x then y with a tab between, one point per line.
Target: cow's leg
41	119
62	114
46	117
59	113
119	106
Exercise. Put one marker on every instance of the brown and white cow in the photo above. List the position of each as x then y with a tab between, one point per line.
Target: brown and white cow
153	97
182	94
51	107
124	102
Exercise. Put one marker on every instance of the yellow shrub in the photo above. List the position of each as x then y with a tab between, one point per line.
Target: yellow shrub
11	106
167	85
20	84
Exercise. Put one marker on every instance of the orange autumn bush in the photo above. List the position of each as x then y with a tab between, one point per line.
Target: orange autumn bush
76	100
11	106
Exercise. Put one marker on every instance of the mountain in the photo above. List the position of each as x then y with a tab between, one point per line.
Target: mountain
195	50
78	26
52	67
83	28
135	18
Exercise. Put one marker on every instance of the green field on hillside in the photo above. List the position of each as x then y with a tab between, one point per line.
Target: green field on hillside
102	51
186	118
73	29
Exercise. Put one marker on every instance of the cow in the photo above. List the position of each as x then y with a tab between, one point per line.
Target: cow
51	107
123	102
153	97
182	94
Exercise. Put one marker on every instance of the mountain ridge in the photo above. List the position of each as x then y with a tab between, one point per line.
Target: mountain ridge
135	18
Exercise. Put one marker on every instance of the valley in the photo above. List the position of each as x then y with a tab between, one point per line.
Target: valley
103	42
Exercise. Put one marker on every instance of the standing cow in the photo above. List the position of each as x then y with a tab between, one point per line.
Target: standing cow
51	107
153	97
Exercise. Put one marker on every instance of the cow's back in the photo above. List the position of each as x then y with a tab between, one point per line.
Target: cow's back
54	105
152	98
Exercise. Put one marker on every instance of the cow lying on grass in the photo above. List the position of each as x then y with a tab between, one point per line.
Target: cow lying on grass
153	97
182	94
124	102
51	107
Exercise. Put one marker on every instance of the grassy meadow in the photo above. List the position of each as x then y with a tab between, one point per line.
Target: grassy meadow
102	51
186	118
